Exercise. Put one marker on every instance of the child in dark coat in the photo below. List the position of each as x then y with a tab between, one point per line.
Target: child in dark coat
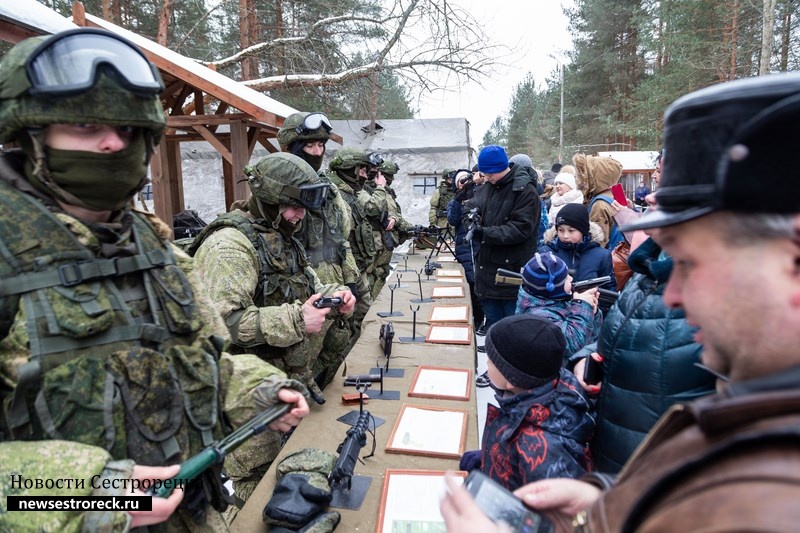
546	292
543	424
576	240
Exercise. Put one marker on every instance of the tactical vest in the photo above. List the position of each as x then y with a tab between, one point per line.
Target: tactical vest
283	277
362	242
116	353
322	233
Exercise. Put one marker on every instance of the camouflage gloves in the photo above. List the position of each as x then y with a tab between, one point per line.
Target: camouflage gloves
266	394
302	493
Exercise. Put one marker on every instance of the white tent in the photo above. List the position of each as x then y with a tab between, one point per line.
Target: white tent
422	148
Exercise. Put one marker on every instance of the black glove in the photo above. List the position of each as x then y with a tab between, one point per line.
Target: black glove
295	502
353	288
475	232
323	522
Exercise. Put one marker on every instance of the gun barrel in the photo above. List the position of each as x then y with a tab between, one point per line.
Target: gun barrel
585	285
348	452
507	277
216	452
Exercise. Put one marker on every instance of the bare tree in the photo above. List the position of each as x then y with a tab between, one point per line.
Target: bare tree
767	36
426	42
163	22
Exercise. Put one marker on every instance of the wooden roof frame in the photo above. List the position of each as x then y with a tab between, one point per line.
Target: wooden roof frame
250	116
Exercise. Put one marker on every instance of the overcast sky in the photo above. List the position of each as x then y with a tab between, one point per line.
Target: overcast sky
533	30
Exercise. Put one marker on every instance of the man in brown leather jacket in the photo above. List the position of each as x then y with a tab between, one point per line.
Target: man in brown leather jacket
729	461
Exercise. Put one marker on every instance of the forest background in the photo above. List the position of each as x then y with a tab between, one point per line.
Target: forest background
368	59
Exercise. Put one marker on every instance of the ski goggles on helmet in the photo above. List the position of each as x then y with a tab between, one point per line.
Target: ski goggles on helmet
313	122
309	196
375	159
69	63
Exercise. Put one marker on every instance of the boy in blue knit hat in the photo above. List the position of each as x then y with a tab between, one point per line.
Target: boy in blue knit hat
546	292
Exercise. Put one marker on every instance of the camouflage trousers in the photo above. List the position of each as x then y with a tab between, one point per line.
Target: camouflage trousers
362	307
335	348
380	273
249	462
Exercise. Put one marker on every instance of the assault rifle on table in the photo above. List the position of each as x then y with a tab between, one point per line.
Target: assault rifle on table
607	297
342	473
217	451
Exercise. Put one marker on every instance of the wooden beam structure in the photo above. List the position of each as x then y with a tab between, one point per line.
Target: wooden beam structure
243	117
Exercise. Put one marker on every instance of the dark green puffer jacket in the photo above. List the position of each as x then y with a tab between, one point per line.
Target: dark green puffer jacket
649	361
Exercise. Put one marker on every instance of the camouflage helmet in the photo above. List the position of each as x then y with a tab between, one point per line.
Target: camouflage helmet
98	89
295	129
285	179
347	158
388	167
448	173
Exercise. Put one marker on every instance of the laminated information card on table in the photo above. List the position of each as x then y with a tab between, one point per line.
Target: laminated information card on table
449	334
430	431
441	383
449	313
410	500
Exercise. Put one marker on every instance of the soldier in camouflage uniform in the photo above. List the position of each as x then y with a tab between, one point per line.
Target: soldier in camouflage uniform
400	226
324	235
437	216
348	171
259	280
110	354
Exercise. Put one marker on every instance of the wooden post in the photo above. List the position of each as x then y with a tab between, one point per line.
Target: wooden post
240	157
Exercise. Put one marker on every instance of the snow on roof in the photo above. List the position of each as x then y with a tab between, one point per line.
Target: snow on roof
33	15
633	160
413	135
220	80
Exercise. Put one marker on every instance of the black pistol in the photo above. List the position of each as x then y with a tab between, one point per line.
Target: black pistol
328	301
581	286
387	336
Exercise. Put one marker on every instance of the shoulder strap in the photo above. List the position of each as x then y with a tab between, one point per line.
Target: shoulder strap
239	221
606	199
234	219
51	255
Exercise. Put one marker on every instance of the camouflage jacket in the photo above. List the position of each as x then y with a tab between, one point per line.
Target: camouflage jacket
232	274
324	235
437	216
367	209
107	348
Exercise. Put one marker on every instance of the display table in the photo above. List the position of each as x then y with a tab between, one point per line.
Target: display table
321	429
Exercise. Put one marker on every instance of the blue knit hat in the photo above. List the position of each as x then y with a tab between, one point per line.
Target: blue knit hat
492	159
544	276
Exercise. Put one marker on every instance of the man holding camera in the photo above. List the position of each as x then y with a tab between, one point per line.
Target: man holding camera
465	250
505	227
